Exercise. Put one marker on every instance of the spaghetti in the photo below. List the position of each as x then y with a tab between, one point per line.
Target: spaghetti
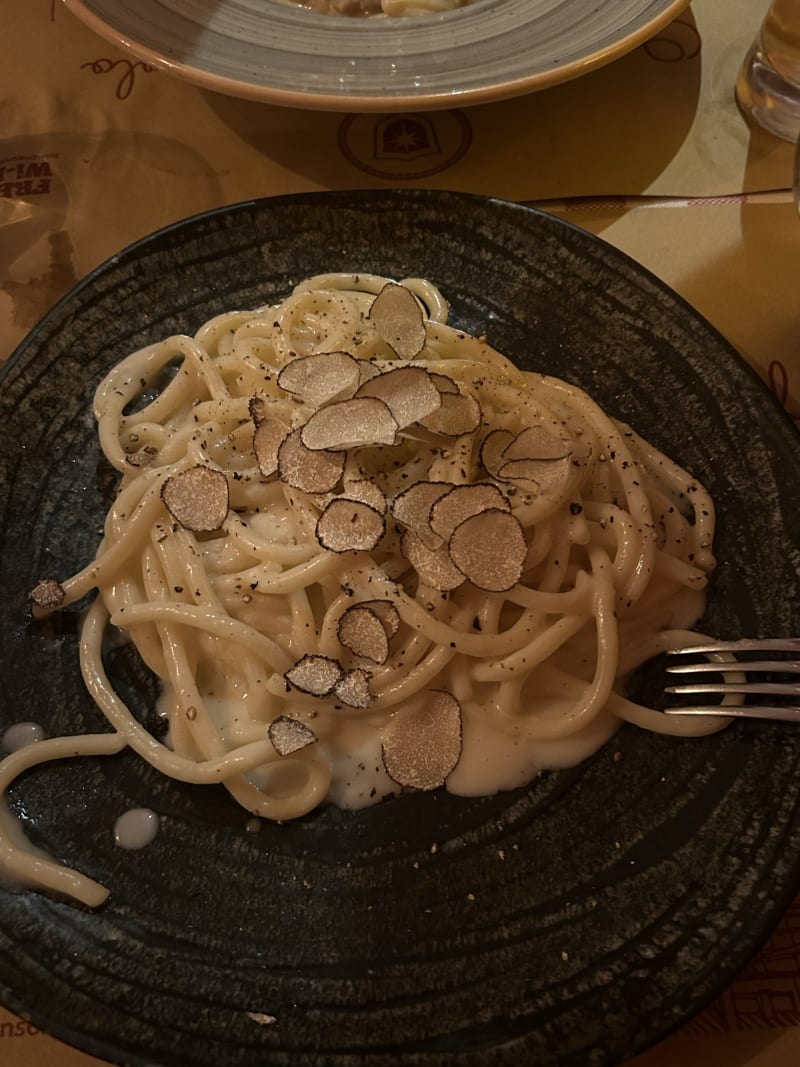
364	553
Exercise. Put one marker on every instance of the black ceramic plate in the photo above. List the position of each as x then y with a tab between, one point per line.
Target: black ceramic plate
573	922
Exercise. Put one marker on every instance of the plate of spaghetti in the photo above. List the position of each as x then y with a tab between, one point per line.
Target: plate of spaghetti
336	576
402	54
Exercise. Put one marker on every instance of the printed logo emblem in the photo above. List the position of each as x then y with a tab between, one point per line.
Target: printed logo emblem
407	146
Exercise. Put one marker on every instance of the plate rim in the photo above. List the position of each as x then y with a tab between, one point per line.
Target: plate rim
367	103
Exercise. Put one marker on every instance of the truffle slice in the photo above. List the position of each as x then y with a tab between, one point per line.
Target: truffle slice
408	392
349	526
47	595
258	406
536	458
269	435
444	383
413	507
433	565
350	424
197	498
361	631
387	613
421	745
461	503
289	735
315	675
320	378
458	414
367	370
493	446
398	319
490	549
532	472
366	492
536	443
353	688
311	471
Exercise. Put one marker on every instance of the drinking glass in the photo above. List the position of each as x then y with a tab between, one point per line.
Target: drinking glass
768	85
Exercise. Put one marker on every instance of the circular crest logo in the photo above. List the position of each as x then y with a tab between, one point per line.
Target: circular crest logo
405	146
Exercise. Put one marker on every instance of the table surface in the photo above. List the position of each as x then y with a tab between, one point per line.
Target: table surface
649	152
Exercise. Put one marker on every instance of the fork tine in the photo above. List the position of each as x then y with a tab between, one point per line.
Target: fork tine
740	711
746	644
716	667
776	688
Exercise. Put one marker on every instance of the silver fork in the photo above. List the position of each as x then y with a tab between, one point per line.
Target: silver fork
731	662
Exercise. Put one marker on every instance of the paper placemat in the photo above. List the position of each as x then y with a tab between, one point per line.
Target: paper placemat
98	149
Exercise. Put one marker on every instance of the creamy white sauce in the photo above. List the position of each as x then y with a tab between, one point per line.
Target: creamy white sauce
494	757
21	734
492	761
136	828
358	776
